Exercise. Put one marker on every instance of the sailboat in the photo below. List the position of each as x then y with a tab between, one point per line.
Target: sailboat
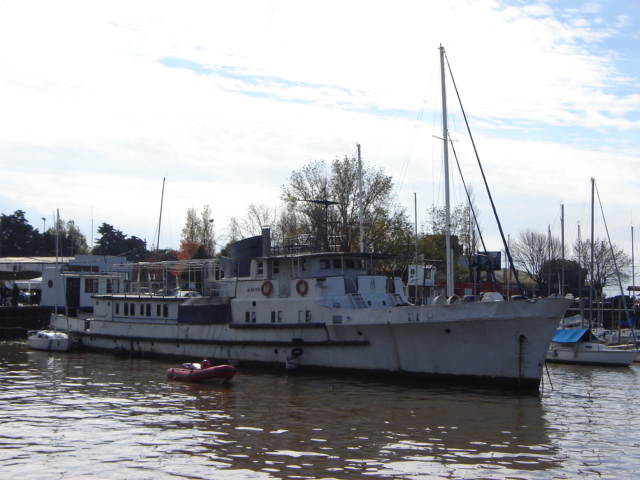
580	345
51	339
312	306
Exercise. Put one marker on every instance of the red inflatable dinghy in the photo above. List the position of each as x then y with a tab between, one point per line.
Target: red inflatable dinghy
194	372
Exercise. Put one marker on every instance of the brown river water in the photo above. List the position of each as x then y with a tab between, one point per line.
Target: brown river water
87	415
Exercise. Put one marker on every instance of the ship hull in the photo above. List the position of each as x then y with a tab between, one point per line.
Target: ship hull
487	342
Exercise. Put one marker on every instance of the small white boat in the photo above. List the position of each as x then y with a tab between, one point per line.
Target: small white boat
49	340
578	345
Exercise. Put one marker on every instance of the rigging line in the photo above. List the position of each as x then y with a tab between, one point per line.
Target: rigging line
615	263
486	184
475	218
407	157
409	152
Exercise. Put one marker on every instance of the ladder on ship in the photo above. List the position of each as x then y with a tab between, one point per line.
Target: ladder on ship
357	300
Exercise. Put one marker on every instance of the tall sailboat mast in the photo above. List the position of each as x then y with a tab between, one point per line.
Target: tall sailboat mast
633	267
562	292
592	277
445	139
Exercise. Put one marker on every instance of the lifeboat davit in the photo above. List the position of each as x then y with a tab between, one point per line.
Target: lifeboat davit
194	372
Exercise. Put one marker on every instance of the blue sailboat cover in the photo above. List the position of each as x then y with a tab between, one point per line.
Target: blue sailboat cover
570	335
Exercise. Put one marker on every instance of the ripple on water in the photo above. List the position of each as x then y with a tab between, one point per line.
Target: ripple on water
73	415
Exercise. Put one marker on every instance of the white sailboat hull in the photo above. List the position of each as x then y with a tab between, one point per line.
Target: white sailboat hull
591	353
49	340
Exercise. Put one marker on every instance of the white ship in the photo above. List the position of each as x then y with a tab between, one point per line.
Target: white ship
325	310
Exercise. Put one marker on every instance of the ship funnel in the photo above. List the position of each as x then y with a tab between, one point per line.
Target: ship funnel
266	241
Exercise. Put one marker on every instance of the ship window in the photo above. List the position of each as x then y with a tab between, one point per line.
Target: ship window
132	309
260	269
337	263
115	286
273	317
325	264
165	310
253	317
148	309
276	267
158	310
247	317
279	316
117	309
349	263
308	316
108	285
90	286
126	309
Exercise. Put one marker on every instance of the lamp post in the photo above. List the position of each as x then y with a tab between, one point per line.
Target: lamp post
44	224
210	251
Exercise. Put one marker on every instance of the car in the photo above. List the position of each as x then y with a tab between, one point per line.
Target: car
26	297
166	293
188	294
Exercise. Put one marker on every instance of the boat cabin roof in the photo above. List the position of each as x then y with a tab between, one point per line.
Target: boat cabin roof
572	335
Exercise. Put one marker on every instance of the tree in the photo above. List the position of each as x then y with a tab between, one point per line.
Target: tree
432	240
114	242
324	205
17	237
71	240
198	239
605	259
575	277
531	250
207	240
257	216
76	239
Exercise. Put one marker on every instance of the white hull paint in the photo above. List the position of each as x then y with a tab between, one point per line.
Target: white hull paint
590	353
494	342
50	340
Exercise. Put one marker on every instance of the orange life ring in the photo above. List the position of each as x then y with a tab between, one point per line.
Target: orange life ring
302	287
266	288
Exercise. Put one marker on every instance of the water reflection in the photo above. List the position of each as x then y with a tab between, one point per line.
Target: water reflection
81	414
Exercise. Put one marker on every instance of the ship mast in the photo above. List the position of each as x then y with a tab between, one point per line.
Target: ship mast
445	139
360	208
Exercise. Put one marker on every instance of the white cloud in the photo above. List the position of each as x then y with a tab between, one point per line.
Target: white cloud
92	119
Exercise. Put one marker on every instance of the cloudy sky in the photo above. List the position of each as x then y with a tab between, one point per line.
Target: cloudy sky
99	101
